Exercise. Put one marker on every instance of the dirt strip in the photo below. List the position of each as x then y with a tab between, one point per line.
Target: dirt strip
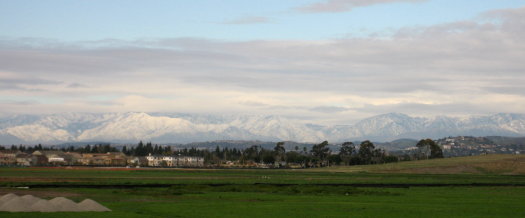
378	185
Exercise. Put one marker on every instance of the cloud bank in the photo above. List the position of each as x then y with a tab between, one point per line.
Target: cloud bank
460	68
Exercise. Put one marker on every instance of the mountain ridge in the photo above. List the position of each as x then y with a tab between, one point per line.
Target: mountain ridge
130	127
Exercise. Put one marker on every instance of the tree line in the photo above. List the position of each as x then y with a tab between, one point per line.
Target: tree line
318	156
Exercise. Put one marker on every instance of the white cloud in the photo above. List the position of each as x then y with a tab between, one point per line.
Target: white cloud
345	5
248	20
456	68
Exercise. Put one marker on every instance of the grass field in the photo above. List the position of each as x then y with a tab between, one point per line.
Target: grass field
448	188
502	164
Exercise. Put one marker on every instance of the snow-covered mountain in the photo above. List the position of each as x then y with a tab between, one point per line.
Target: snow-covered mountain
183	128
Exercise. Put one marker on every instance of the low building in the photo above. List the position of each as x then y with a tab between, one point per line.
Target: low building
38	160
8	157
104	159
169	161
73	158
56	158
154	160
174	161
24	159
137	161
187	161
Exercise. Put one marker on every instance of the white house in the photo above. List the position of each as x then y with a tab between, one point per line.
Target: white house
154	160
174	161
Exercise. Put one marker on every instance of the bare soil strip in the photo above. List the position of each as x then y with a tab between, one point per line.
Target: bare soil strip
379	185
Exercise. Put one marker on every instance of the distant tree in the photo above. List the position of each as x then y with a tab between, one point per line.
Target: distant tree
253	153
293	157
366	152
435	150
390	159
346	152
280	151
156	149
268	157
149	148
321	151
140	150
334	159
167	151
218	153
378	156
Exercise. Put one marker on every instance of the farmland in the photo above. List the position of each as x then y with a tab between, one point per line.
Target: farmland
481	186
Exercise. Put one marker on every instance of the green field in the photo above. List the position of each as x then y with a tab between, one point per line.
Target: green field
483	186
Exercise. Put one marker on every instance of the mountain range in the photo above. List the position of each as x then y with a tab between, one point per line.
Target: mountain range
185	128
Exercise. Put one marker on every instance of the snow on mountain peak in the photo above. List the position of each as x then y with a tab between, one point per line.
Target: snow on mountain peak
182	128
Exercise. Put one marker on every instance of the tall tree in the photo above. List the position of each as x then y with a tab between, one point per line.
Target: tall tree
435	150
321	151
366	152
149	148
346	152
280	151
268	157
253	153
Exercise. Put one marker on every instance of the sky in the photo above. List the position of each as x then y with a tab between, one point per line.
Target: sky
324	61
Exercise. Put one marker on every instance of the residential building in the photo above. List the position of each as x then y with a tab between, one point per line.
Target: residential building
174	161
8	157
104	159
54	157
24	159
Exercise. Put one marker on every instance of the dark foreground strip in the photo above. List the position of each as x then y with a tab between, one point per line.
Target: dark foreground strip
379	185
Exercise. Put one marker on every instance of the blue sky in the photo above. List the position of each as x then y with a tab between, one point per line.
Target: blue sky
325	61
211	19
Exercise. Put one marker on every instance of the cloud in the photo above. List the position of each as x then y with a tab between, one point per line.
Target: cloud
20	103
24	83
76	85
467	107
248	20
472	66
329	109
330	6
253	103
